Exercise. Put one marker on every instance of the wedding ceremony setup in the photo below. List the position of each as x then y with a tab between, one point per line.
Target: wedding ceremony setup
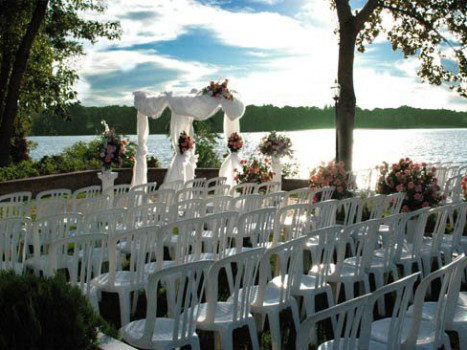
354	260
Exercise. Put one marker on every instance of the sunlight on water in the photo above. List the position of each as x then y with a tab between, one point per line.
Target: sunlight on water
371	147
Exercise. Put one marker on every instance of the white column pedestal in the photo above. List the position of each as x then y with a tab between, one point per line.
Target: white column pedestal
108	179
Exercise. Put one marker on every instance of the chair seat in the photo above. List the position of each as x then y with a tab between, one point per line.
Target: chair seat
429	309
309	284
329	345
347	271
377	263
271	297
379	331
223	316
462	301
162	335
122	280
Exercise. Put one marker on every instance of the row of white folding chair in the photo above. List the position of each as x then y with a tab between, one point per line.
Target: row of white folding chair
308	195
423	326
266	299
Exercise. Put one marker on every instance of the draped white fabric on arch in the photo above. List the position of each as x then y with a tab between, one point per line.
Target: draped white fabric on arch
185	109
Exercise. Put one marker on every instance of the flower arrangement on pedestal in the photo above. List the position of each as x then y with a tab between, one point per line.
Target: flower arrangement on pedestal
112	148
332	174
185	142
254	170
276	145
464	187
218	90
416	180
235	142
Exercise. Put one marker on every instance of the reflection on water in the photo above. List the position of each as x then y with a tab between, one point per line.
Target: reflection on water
371	147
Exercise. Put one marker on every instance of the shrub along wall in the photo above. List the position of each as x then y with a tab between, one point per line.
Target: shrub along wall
81	179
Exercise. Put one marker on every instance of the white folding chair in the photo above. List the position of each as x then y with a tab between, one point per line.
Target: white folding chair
12	243
84	193
243	189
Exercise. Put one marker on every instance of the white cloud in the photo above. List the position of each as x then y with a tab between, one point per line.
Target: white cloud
302	75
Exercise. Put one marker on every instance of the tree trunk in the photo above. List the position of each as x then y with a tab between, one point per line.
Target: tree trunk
10	110
347	102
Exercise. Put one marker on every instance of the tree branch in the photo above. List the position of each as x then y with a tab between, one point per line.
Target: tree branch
365	13
344	12
414	15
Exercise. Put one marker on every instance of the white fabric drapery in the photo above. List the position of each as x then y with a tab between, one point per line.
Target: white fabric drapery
185	109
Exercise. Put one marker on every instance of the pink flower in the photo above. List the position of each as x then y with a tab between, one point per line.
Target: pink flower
405	209
399	188
410	185
425	204
418	188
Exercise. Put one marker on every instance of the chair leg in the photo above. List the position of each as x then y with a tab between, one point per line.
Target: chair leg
295	314
124	298
253	334
379	281
309	304
259	320
275	328
195	344
227	339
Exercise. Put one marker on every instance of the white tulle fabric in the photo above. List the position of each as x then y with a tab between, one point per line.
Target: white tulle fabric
228	167
185	109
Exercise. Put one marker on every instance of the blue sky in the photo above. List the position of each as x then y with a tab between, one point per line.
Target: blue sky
280	52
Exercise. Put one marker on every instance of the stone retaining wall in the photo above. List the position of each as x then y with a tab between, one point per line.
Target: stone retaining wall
80	179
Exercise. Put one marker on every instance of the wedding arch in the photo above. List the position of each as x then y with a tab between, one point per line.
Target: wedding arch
185	109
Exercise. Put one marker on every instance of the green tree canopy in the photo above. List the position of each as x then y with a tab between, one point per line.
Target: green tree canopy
38	41
433	30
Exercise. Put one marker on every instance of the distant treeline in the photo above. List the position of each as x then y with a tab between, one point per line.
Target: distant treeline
86	120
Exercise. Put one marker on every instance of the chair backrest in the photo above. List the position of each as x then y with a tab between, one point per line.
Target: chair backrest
462	170
365	234
323	194
453	189
148	215
147	188
268	187
350	208
172	185
452	295
391	241
393	203
12	243
348	315
83	256
247	203
23	196
288	257
12	209
441	175
441	216
374	205
300	196
216	181
275	200
55	193
50	206
189	240
143	245
105	221
195	183
413	224
257	225
220	190
187	209
323	213
326	240
141	194
400	292
243	189
52	228
190	193
121	195
448	275
163	196
458	218
292	222
93	204
84	193
220	227
241	283
351	180
190	280
219	204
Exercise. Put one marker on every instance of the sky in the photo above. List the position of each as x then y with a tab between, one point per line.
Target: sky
280	52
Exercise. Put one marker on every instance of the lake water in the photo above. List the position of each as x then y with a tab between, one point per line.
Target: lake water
371	147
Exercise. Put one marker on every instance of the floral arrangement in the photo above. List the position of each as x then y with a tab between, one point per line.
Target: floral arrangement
254	171
276	145
112	148
235	142
185	142
416	180
464	187
332	174
218	90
